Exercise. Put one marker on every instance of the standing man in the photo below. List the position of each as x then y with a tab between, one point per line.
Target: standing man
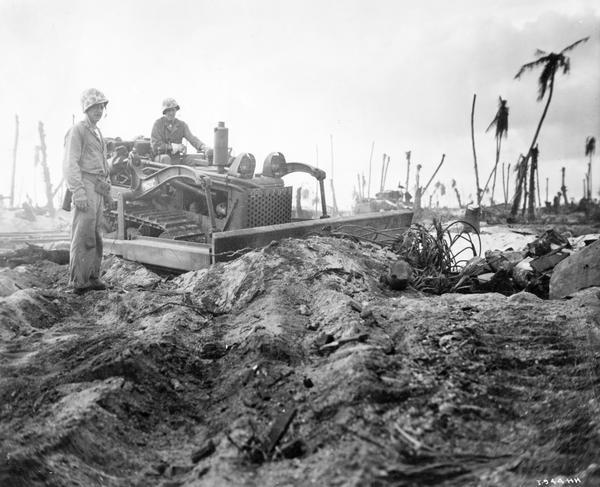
86	174
167	136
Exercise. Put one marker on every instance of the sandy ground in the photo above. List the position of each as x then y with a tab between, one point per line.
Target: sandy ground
192	381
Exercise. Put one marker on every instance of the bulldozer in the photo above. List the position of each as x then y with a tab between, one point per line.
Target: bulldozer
201	210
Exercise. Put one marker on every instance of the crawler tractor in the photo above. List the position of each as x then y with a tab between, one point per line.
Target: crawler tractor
199	211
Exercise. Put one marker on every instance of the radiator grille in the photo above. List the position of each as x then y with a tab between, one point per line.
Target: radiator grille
269	206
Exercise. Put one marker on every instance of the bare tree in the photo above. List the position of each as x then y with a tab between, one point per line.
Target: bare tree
590	149
41	149
501	123
532	172
550	64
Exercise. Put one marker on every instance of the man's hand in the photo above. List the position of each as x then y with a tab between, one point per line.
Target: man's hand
175	148
81	205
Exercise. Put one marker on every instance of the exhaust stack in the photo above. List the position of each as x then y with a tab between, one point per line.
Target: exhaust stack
221	150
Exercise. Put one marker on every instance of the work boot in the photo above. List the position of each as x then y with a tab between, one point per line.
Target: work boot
97	285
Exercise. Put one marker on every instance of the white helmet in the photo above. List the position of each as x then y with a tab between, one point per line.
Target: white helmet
169	103
91	97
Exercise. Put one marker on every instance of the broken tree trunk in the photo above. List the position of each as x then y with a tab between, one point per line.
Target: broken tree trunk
479	193
532	171
537	182
519	185
418	192
434	173
44	161
563	188
14	168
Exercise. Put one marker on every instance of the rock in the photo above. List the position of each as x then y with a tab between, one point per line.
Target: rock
578	271
545	262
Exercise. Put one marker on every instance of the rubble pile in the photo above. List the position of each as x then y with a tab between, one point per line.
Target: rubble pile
552	266
295	364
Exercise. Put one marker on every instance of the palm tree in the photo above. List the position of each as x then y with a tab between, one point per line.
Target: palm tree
521	170
551	64
590	149
501	123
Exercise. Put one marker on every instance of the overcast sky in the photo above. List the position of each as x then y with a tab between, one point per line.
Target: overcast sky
285	75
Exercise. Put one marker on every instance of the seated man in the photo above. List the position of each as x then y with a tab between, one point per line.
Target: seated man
167	136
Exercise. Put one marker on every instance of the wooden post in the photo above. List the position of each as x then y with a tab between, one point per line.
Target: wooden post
479	195
14	167
44	161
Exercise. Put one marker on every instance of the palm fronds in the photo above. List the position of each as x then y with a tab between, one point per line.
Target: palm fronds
501	119
551	62
590	146
571	46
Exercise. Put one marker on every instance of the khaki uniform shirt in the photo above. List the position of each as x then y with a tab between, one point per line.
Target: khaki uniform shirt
165	133
85	153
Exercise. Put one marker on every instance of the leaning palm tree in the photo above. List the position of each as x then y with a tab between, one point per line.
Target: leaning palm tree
590	148
551	63
501	123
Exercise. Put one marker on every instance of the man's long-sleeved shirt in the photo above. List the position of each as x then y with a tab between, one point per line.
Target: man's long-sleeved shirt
85	153
165	133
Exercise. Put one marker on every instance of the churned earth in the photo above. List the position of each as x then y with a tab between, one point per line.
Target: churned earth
292	366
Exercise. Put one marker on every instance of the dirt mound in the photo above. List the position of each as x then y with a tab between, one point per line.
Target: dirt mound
295	365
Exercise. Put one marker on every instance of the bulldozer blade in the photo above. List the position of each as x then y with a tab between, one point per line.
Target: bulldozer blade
162	252
379	227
